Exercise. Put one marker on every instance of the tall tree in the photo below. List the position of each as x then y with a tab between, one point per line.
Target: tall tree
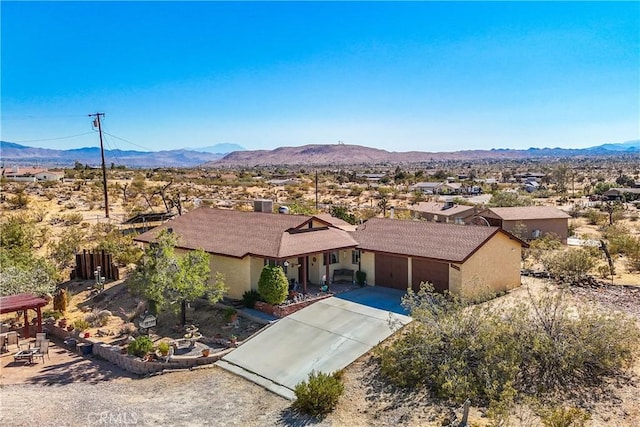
170	280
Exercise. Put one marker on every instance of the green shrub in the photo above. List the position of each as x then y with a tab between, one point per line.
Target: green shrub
52	313
361	277
319	394
140	346
163	348
565	417
250	298
273	285
539	346
81	325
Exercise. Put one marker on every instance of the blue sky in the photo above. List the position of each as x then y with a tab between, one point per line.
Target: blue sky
426	76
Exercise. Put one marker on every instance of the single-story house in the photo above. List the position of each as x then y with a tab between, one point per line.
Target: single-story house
240	244
447	212
393	253
428	187
530	222
622	194
462	260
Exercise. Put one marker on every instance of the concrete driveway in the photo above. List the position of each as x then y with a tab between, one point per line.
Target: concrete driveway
326	336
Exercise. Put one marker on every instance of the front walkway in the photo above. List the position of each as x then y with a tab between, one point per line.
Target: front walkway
326	336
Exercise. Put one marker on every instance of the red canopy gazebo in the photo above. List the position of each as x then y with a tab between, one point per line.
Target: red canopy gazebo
23	302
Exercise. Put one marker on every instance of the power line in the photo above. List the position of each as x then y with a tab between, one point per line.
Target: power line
53	139
125	140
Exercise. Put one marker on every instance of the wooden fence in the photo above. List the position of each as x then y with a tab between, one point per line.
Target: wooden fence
87	263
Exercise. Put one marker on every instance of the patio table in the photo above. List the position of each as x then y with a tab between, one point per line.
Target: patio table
26	354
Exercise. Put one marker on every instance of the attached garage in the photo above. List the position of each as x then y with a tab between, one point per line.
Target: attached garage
392	271
434	272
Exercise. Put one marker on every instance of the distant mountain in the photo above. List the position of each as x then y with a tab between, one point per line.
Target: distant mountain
317	154
356	154
20	154
223	148
628	147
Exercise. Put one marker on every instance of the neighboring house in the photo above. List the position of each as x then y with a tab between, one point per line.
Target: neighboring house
371	177
446	212
49	176
531	186
428	187
393	253
530	222
462	260
31	174
622	194
240	244
282	182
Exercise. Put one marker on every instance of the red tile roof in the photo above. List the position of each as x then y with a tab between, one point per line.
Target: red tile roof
237	234
529	212
448	242
20	302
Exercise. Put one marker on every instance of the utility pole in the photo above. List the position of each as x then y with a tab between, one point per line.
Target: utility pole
96	123
316	190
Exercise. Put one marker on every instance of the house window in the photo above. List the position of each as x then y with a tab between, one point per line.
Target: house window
270	262
458	221
355	257
334	258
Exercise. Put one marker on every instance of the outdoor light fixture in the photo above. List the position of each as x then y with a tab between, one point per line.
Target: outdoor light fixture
286	263
99	278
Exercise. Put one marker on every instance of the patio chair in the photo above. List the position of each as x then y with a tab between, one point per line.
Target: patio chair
12	339
43	350
41	336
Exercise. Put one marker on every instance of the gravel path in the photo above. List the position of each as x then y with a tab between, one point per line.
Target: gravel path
192	398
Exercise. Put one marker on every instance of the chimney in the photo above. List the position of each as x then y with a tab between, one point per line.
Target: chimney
263	205
392	212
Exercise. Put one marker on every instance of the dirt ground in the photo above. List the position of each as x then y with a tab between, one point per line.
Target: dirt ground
215	397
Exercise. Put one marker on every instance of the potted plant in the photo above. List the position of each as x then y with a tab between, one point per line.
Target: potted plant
233	339
230	314
163	348
205	352
361	277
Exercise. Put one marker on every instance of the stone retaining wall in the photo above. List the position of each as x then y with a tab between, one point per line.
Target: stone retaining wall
285	310
134	364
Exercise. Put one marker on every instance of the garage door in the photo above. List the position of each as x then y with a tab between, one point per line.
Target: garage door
423	270
392	271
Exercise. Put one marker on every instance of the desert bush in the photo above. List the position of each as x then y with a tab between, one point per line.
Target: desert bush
249	298
570	264
98	318
52	313
61	300
564	417
81	325
319	394
140	346
593	217
538	346
273	285
72	219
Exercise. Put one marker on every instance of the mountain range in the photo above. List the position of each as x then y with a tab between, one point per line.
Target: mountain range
356	154
12	153
317	154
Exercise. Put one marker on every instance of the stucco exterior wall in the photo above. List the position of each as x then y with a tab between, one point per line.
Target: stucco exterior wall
455	278
495	267
559	226
368	265
256	265
237	273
